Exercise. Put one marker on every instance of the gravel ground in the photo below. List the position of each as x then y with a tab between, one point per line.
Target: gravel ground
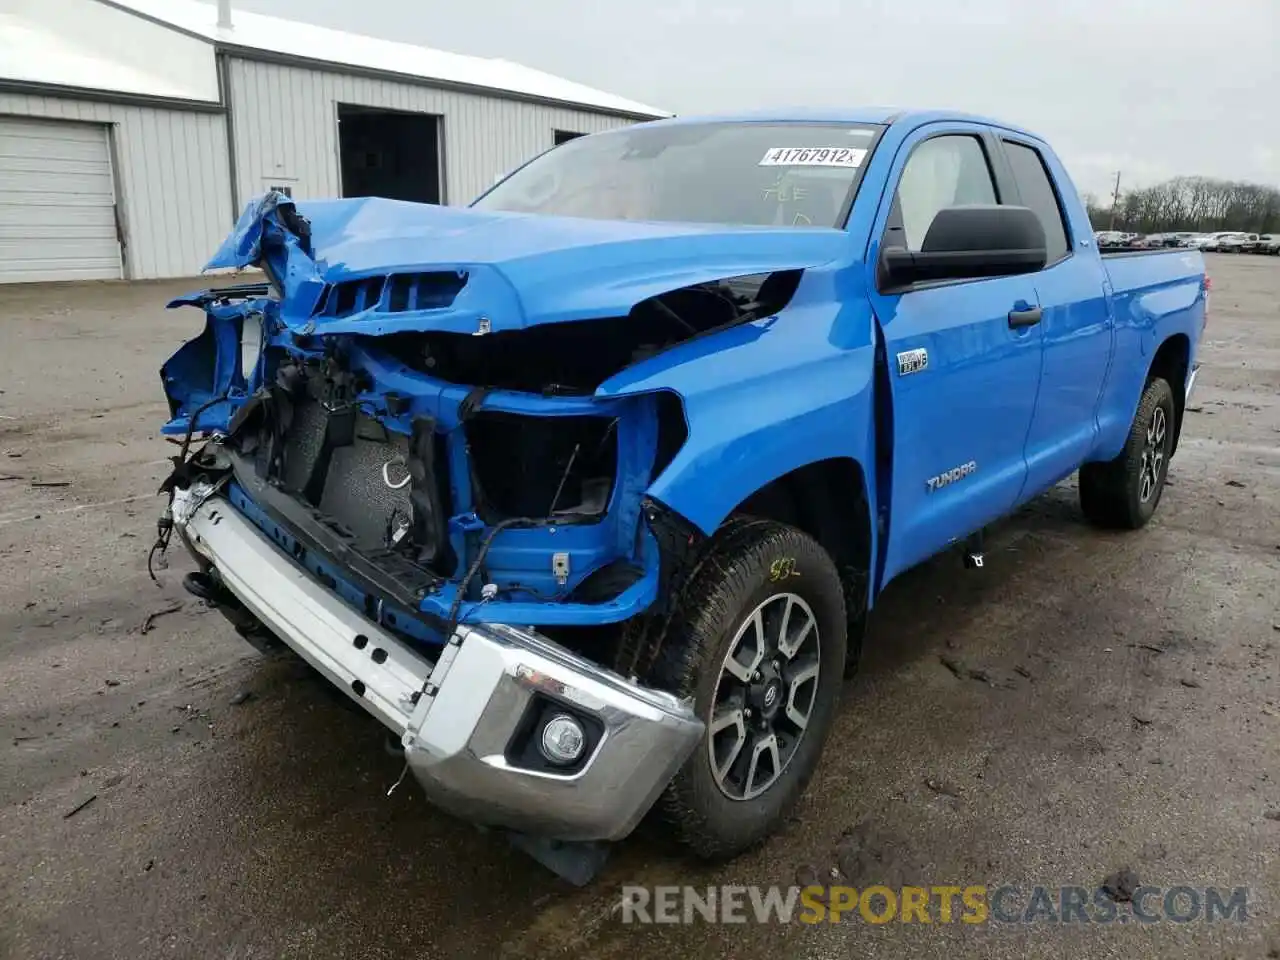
1088	702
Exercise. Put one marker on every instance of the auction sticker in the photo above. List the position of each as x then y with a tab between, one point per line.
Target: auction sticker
813	157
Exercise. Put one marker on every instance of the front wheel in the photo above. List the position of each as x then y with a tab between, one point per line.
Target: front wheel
759	644
1124	492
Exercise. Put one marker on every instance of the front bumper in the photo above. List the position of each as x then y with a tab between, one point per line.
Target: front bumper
458	717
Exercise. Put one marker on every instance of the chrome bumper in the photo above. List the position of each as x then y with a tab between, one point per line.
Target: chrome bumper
459	716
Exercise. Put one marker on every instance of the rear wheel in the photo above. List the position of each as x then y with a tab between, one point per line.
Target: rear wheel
759	644
1124	492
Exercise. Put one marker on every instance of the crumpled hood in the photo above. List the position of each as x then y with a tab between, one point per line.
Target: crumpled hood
520	270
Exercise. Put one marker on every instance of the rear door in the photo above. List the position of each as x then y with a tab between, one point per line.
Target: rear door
962	376
1076	322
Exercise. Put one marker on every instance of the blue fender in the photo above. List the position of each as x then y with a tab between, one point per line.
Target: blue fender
768	397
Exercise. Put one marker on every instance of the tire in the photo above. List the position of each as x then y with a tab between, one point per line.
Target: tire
781	573
1123	493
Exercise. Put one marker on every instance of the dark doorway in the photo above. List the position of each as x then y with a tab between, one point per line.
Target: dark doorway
387	153
564	136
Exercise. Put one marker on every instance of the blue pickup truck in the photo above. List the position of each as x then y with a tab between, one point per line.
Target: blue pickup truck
585	491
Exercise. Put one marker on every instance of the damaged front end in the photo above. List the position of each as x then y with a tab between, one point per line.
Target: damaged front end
416	476
446	503
413	428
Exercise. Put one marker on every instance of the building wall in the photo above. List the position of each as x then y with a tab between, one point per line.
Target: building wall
173	169
286	131
172	179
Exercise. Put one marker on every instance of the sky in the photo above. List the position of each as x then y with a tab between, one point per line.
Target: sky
1150	88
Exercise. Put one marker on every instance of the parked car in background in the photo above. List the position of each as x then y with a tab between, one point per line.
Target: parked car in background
1210	243
1191	240
1109	238
1267	243
1236	242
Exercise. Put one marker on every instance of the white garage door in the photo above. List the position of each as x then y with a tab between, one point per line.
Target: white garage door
57	202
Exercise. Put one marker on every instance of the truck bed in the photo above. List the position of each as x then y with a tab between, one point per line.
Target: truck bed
1110	252
1152	291
1133	271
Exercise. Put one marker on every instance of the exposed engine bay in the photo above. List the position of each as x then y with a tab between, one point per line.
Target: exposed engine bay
440	443
430	475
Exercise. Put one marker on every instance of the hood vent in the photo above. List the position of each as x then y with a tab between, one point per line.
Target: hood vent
398	293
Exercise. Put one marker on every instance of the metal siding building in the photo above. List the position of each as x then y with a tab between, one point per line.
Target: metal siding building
171	177
285	128
115	165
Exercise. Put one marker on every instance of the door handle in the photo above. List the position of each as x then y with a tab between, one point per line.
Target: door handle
1024	318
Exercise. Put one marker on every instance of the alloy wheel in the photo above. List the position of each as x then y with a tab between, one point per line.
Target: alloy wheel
1153	455
764	696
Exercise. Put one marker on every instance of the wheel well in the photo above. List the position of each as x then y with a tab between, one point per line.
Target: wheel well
827	500
1170	364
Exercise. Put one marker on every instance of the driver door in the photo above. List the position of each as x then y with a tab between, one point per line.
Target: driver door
963	357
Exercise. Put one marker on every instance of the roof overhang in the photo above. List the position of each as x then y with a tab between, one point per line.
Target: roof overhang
255	36
90	49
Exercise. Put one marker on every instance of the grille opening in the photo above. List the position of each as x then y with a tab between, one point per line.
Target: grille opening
335	460
344	480
542	466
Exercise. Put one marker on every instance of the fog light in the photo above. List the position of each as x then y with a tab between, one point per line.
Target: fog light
563	739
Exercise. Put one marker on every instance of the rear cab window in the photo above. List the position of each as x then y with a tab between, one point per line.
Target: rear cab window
1036	189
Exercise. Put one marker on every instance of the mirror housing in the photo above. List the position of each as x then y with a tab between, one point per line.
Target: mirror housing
968	243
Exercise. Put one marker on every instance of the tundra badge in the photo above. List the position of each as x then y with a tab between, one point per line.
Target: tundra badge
951	476
912	361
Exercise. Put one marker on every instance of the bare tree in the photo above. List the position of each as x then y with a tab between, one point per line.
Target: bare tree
1195	203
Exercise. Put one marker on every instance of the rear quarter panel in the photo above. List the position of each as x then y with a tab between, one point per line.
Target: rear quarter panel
1155	296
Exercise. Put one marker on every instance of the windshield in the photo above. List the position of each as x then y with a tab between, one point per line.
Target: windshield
759	174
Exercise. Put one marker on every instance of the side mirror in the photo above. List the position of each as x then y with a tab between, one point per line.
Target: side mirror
969	242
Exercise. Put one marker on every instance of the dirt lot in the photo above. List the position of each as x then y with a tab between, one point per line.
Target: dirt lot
1115	703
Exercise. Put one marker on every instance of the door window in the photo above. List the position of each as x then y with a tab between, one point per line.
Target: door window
946	171
1036	190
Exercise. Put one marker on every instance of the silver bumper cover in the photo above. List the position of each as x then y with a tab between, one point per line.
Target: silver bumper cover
457	716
